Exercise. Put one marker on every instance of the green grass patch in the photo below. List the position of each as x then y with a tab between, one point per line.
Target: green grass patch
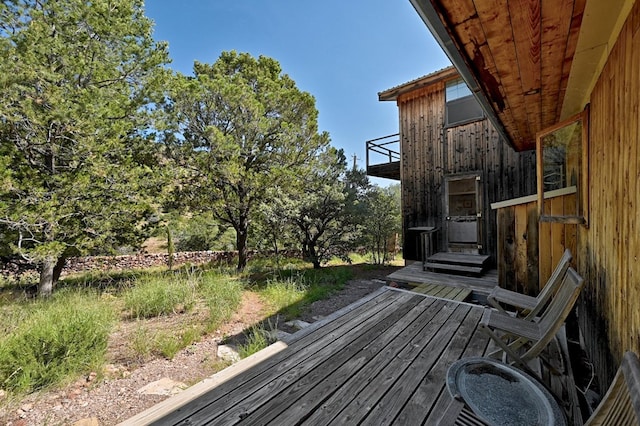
222	295
153	296
285	296
57	339
257	339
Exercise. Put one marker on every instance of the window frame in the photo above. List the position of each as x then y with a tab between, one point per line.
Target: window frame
582	186
460	100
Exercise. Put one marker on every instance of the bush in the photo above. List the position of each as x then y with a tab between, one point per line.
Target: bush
64	337
155	296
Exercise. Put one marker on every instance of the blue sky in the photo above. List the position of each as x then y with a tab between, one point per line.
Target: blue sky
343	52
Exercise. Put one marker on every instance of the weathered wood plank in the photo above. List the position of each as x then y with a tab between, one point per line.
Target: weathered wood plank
428	390
358	384
403	374
238	403
302	349
310	391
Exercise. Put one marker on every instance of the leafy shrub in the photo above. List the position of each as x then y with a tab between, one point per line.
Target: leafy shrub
62	338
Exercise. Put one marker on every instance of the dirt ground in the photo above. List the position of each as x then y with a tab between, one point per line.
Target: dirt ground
119	392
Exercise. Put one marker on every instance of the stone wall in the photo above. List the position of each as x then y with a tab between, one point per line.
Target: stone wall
142	261
17	268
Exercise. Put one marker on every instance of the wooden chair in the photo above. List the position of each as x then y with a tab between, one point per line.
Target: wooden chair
531	306
522	340
620	406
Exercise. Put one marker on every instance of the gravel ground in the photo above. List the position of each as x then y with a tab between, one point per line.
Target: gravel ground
117	395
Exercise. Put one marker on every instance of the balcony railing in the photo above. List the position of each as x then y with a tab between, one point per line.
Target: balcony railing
383	157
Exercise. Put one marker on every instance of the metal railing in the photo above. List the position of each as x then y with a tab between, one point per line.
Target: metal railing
385	147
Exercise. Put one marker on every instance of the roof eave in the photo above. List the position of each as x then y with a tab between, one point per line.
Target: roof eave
432	20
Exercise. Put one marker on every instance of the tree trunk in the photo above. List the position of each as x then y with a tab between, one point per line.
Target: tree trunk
45	286
241	243
57	270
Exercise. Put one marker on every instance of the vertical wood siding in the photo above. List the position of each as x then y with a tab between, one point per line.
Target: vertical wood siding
609	308
430	152
528	251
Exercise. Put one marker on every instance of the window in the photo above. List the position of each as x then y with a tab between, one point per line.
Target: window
561	157
461	106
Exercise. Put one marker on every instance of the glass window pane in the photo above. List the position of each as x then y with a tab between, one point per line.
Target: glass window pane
561	153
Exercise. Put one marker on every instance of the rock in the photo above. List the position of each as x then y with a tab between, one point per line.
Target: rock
318	317
2	394
91	421
278	334
228	353
299	324
164	386
26	407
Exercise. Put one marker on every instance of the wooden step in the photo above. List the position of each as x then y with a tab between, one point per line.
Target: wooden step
464	259
452	268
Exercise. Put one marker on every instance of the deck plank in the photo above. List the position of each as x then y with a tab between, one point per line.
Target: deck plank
409	397
382	361
409	368
279	362
312	390
242	400
414	274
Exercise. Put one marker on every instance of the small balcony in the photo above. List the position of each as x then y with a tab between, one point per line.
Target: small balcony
383	157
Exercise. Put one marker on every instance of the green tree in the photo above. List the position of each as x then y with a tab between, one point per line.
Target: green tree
322	210
242	127
78	80
382	221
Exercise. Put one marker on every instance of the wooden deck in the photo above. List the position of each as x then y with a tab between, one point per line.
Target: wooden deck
380	361
414	275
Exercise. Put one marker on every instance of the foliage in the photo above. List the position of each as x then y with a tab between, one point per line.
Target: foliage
256	339
323	211
77	80
154	296
382	222
222	296
284	296
58	338
240	127
200	231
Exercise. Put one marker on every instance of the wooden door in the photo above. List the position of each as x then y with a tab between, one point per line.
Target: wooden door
463	207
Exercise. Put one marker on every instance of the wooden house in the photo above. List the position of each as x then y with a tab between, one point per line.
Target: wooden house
452	164
562	78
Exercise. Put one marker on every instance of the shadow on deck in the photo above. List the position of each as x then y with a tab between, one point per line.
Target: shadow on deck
382	360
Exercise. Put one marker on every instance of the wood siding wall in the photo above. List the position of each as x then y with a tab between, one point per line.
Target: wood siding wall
429	152
609	308
528	251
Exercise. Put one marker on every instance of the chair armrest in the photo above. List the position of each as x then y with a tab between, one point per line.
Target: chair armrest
500	295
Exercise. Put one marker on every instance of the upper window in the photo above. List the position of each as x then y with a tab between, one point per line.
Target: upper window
561	162
462	107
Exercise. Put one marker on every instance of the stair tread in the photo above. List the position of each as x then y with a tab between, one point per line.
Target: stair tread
453	267
459	259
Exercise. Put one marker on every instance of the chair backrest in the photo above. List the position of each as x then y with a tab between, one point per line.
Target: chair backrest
620	406
557	312
552	284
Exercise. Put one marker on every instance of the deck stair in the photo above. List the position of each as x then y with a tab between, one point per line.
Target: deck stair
457	263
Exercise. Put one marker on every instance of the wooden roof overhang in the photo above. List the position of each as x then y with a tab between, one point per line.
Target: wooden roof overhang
530	63
395	93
